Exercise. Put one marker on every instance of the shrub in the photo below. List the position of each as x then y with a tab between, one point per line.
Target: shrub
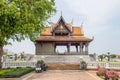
17	72
5	71
18	67
82	62
40	62
28	67
83	65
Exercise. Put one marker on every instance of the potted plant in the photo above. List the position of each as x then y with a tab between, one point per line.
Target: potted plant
39	65
42	65
83	65
40	62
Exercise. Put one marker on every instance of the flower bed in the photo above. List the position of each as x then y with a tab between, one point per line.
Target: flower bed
13	73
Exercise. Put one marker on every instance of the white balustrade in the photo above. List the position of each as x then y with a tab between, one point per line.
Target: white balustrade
108	65
90	65
18	64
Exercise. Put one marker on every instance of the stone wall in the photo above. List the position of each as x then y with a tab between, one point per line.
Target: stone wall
63	58
44	48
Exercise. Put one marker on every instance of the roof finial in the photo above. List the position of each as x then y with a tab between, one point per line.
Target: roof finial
93	38
82	27
82	23
71	24
61	12
72	21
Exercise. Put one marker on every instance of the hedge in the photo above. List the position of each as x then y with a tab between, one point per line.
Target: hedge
14	73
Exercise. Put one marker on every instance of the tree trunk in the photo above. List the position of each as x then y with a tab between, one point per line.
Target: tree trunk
1	51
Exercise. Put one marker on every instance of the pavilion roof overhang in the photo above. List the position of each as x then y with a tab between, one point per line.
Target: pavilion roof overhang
63	38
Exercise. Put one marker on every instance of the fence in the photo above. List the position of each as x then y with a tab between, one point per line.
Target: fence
108	65
18	64
90	65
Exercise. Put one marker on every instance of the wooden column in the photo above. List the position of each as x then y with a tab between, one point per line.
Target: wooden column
77	48
86	48
81	48
68	47
54	48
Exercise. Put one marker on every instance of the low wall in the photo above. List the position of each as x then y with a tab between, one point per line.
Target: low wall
63	58
108	65
90	65
18	64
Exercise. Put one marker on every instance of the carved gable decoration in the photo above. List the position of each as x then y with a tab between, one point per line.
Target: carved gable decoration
61	27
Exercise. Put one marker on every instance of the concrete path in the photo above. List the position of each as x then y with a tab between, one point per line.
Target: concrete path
61	75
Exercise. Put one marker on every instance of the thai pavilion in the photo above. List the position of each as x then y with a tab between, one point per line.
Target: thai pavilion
62	34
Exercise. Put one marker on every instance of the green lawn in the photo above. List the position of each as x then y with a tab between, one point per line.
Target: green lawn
14	72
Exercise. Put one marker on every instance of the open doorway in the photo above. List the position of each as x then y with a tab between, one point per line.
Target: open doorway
61	49
73	49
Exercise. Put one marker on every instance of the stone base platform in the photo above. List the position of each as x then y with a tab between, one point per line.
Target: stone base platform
71	59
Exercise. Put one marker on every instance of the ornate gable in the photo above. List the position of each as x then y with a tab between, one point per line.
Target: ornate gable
61	28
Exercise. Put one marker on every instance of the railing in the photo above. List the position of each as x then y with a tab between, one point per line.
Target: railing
90	65
18	64
108	65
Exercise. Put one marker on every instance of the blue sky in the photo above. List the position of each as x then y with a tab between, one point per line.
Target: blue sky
101	19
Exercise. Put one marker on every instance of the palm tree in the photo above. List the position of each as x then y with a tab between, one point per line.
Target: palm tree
108	56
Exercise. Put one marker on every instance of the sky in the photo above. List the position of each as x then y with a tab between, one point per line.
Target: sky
100	18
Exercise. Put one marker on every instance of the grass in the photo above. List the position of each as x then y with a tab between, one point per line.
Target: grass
2	71
14	73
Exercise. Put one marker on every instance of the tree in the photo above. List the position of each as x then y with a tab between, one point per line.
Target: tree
22	56
20	19
101	57
5	53
108	56
16	57
112	56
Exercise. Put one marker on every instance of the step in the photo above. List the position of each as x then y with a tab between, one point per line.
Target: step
74	59
63	66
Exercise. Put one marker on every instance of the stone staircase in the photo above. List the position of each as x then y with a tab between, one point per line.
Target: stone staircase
68	59
62	66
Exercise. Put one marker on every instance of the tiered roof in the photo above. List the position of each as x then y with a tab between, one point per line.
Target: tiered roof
76	33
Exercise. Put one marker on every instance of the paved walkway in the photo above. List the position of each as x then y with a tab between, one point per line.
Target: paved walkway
62	75
59	75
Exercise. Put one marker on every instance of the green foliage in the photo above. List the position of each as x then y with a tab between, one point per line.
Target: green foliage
5	71
17	72
82	62
22	56
40	62
112	56
101	57
83	65
108	56
20	19
23	18
5	53
16	56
